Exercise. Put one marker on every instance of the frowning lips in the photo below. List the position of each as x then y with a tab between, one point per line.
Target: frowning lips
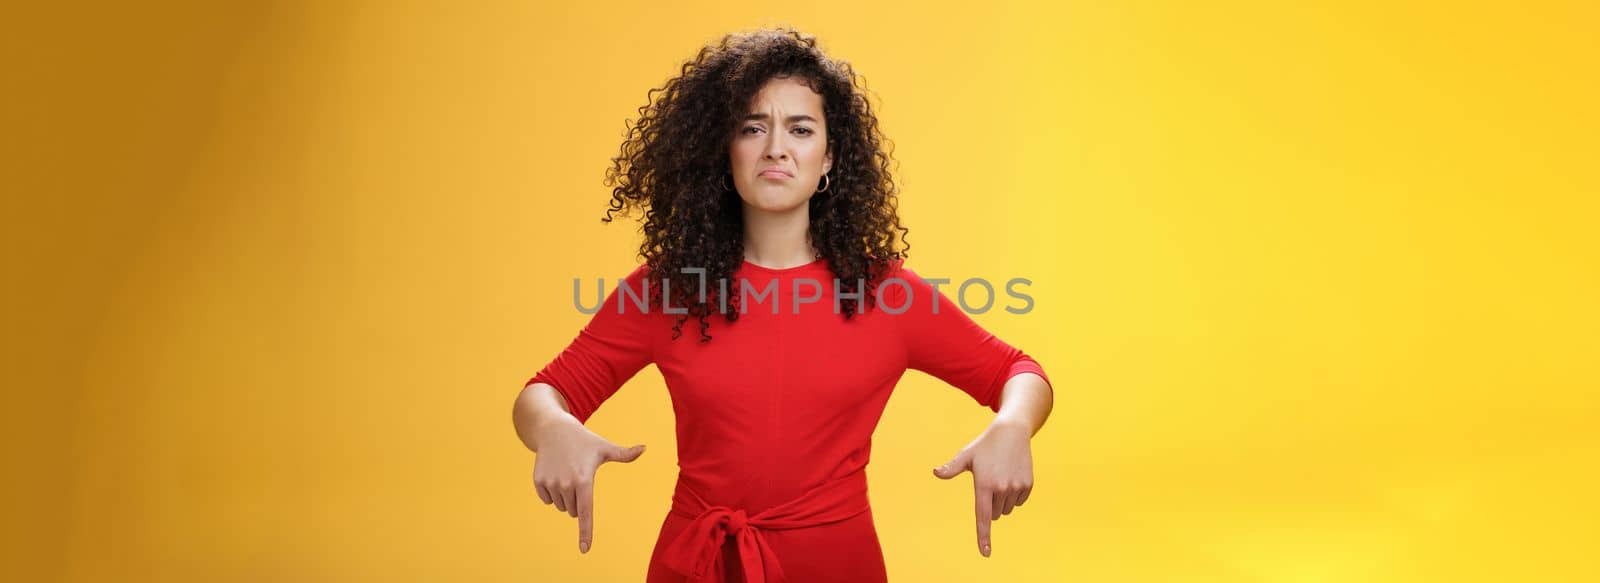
775	172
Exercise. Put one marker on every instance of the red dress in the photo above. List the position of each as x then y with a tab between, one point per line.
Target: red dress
775	414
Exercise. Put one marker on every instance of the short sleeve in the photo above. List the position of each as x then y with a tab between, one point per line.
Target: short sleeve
948	344
608	351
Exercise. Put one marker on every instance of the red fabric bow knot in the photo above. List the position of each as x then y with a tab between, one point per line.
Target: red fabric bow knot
697	551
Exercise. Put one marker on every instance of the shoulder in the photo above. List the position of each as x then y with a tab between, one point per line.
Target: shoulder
639	273
900	280
634	284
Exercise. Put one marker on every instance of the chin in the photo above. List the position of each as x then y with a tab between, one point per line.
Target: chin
776	202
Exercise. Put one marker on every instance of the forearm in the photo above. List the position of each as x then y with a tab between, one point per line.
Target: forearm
1026	401
537	405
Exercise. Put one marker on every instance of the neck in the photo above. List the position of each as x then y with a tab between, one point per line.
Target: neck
778	240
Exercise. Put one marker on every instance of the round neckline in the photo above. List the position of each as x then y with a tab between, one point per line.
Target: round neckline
817	262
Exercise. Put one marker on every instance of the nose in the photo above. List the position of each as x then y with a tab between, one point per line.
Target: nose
776	148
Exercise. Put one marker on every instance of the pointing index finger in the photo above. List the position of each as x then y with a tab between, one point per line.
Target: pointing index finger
984	510
585	517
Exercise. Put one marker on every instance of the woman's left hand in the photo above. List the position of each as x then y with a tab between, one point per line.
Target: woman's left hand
1001	462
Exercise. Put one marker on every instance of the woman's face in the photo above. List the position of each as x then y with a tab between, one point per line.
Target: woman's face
780	148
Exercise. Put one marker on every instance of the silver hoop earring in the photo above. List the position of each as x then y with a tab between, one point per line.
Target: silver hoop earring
825	183
728	184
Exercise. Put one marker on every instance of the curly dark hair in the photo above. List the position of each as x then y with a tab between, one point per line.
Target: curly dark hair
674	160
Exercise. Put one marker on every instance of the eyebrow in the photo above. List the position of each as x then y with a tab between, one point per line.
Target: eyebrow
790	119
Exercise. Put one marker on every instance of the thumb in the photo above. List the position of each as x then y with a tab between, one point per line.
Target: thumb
625	454
954	467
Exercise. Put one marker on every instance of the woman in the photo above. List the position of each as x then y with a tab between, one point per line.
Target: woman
769	210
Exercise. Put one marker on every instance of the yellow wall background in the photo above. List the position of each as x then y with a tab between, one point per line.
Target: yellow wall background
1316	283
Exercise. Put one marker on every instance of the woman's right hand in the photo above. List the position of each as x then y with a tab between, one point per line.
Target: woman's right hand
565	465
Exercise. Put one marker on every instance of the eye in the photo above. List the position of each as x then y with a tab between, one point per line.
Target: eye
749	129
806	131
